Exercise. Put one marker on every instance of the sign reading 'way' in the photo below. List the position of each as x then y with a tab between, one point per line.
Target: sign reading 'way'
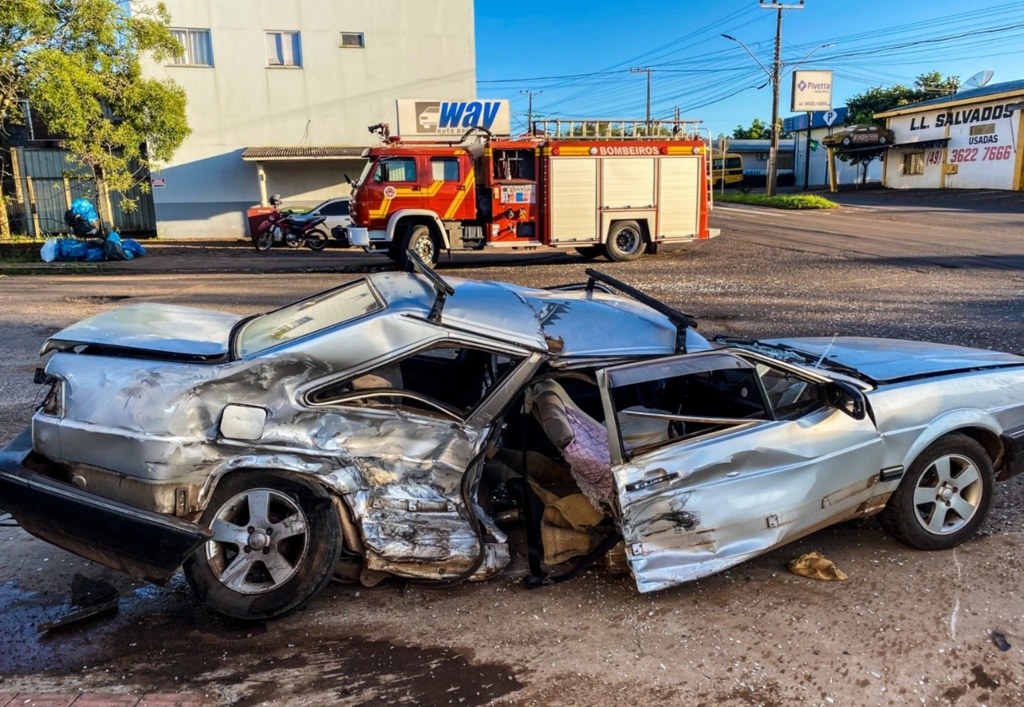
428	118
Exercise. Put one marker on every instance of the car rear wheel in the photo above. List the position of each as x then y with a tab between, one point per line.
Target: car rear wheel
316	239
274	547
420	240
625	242
944	496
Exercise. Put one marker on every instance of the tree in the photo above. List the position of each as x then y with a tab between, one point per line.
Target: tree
862	107
78	65
758	131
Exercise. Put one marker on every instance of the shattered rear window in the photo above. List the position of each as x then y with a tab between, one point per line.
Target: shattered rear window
322	311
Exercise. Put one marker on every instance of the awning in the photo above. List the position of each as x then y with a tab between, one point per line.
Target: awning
920	144
268	154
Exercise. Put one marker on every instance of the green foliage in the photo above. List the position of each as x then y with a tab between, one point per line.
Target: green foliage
863	106
787	201
78	64
759	130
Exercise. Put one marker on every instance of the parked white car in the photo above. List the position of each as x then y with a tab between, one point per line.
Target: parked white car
336	217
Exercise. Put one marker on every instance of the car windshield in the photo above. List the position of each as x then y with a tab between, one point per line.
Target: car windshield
306	317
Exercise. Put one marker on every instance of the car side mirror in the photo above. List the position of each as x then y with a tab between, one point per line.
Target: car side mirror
848	398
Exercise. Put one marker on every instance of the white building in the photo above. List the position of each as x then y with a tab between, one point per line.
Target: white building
810	157
970	140
280	95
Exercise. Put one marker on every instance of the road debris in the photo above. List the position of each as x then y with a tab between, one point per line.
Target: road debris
815	566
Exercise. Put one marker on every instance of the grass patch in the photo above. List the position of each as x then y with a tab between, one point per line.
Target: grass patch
780	201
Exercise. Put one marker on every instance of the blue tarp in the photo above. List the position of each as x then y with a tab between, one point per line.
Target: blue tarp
112	248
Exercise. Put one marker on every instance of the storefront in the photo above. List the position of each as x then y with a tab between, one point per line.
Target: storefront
970	140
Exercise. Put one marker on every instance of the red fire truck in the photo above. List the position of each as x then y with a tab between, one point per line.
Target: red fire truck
613	188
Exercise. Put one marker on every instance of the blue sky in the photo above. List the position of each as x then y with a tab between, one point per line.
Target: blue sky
579	53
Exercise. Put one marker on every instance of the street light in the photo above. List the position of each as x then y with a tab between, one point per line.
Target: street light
773	76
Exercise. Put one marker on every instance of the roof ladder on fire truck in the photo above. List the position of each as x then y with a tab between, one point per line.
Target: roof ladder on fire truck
615	129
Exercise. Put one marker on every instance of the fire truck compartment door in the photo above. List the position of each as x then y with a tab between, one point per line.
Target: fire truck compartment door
573	199
638	215
627	182
679	196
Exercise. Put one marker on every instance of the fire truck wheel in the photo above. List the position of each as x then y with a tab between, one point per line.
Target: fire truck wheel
625	242
419	240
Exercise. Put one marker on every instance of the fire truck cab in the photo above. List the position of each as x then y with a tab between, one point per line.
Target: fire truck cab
600	187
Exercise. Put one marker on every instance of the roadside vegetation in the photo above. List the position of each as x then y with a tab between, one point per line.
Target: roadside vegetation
781	201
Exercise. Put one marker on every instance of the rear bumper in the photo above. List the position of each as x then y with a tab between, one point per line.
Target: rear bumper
141	543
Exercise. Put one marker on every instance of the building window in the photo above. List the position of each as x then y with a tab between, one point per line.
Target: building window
197	45
352	40
913	163
284	49
785	160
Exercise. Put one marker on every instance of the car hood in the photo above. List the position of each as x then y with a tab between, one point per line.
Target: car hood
890	360
184	332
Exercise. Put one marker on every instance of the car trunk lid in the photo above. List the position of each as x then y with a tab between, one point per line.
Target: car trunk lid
157	329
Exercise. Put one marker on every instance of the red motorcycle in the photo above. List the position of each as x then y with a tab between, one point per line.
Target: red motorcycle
291	230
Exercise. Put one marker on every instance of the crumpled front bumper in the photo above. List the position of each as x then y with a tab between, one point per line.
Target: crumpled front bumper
141	543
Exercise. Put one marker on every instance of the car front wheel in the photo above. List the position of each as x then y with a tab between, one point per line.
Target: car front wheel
944	496
274	546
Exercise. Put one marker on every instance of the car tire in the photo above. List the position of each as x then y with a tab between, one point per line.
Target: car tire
243	572
882	140
846	141
625	242
263	241
943	497
421	241
316	239
590	251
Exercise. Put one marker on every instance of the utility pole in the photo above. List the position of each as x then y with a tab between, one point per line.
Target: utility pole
773	150
648	71
529	112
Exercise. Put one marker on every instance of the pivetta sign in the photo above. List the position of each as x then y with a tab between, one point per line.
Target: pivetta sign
812	91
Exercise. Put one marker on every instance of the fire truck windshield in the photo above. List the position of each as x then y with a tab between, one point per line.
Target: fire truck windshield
366	171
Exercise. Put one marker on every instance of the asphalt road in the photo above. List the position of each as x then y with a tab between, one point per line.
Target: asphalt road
908	627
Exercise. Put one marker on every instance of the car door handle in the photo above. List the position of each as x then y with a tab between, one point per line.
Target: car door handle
460	188
655	476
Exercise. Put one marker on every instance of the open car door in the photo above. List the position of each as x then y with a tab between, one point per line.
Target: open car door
720	456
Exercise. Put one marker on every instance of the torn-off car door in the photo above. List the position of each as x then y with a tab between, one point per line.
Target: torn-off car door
725	480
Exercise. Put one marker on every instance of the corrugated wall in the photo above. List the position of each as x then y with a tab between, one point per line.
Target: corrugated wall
54	182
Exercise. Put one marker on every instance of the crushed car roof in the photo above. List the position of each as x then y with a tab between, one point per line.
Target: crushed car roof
571	322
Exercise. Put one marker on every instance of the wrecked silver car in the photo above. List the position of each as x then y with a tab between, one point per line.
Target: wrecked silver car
390	427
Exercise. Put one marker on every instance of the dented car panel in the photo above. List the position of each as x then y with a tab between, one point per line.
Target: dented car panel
359	426
699	505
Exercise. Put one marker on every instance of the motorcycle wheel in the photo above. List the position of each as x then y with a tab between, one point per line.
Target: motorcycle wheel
263	241
316	239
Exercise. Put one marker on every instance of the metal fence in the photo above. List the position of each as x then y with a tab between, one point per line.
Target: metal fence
46	181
